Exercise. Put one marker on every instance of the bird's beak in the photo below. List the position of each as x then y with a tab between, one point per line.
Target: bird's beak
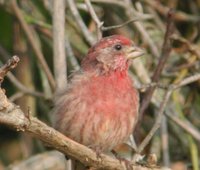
134	52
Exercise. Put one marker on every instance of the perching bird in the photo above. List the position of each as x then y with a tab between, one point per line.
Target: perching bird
99	107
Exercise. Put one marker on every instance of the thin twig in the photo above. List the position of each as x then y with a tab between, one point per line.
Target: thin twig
144	87
158	21
126	23
115	2
68	47
165	142
167	95
94	16
15	81
100	26
188	65
70	54
130	12
33	43
163	58
186	125
178	15
16	96
87	35
60	64
157	122
191	47
11	63
23	88
186	81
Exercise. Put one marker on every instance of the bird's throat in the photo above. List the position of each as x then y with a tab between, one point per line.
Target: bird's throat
118	80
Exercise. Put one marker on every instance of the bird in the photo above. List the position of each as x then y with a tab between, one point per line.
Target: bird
99	107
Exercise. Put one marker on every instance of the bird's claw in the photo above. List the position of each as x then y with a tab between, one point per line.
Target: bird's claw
98	152
127	163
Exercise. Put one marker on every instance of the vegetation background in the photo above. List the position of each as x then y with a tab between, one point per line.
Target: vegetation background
26	31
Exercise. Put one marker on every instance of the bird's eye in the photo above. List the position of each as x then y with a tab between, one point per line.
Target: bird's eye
118	47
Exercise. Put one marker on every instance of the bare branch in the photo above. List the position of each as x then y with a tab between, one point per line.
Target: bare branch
178	15
23	88
167	95
191	47
139	26
126	23
100	26
165	142
157	122
60	68
163	58
94	16
16	96
31	39
115	2
88	36
12	63
16	82
186	81
186	125
71	55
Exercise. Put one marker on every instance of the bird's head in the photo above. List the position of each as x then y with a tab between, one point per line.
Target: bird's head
110	54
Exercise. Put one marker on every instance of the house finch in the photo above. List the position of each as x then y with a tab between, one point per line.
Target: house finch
99	108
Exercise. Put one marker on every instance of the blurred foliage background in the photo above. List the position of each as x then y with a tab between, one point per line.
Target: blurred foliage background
29	87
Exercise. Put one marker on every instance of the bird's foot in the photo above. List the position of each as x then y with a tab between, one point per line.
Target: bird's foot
98	152
127	163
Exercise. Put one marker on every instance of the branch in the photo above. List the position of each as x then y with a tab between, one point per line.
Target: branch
167	95
186	125
88	36
191	47
130	12
31	39
70	54
23	88
157	122
94	16
178	15
60	68
186	81
100	26
166	49
165	142
16	82
112	2
126	23
12	63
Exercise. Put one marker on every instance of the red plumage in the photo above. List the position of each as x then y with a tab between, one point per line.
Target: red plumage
100	105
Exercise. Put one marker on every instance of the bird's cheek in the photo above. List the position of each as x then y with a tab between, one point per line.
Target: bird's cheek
120	62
